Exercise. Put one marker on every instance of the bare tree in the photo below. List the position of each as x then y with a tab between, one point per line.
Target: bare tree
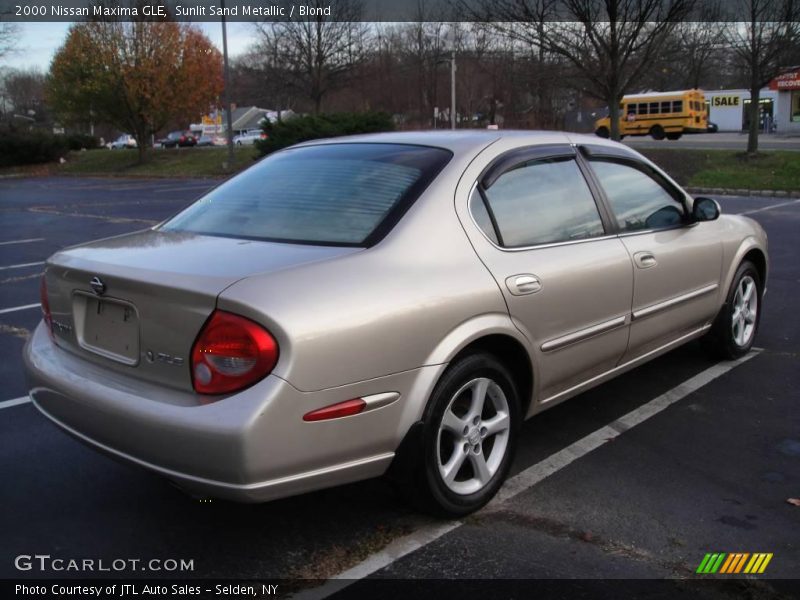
316	56
610	44
25	91
8	38
767	38
699	43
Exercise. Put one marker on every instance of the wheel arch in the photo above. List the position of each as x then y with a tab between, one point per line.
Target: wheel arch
494	333
513	355
750	250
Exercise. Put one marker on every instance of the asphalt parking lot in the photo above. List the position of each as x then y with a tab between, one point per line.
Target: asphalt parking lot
712	472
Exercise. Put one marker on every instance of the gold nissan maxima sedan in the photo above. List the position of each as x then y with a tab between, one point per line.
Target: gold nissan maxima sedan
394	303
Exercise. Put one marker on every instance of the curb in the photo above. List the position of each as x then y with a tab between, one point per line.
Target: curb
741	192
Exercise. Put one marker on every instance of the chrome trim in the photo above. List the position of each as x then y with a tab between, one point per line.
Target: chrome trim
582	334
625	366
379	400
654	308
534	247
624	234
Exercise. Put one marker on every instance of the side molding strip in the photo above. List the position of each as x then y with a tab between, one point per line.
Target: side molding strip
582	334
654	308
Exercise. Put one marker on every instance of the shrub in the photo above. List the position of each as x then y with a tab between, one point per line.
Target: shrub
79	141
30	147
312	127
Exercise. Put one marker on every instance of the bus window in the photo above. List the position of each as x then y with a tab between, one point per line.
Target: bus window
677	106
630	109
665	107
642	109
654	108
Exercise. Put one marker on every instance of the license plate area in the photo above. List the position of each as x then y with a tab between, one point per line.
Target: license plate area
107	326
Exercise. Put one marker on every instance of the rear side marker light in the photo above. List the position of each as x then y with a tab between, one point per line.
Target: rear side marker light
335	411
352	407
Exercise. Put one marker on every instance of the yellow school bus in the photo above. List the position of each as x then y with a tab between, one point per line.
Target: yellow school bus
659	114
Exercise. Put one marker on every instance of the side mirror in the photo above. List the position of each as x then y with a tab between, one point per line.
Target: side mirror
705	209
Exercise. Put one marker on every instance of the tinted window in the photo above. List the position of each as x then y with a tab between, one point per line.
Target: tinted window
543	202
642	109
329	194
637	200
665	107
677	106
478	208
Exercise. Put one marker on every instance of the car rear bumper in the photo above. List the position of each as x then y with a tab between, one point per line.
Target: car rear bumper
252	446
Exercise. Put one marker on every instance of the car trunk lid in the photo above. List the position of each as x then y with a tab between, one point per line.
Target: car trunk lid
135	303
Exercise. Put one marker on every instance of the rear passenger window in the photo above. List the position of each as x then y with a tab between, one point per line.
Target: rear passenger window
677	106
541	202
638	201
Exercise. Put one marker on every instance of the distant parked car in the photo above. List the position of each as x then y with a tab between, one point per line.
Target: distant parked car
211	140
249	138
712	127
124	141
178	138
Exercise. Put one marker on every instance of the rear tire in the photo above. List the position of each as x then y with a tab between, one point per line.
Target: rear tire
468	438
735	328
602	132
657	132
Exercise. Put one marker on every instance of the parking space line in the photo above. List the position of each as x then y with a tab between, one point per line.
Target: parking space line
22	265
770	207
523	480
28	241
15	402
16	308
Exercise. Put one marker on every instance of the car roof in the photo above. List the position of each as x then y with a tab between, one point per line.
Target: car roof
465	140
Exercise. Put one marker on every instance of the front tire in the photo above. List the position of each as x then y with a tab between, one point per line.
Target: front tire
468	438
602	132
657	132
735	328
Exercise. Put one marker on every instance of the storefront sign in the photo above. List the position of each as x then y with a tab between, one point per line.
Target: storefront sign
786	81
725	101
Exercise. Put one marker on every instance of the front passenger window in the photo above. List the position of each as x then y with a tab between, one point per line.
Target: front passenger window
638	201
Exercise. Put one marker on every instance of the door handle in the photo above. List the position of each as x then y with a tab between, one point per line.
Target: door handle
522	284
645	260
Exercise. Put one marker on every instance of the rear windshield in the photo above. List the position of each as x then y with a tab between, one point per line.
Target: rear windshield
335	194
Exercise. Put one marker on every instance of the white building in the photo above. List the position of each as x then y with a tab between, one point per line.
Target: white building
780	105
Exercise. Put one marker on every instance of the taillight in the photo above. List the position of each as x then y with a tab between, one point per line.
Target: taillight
231	353
46	314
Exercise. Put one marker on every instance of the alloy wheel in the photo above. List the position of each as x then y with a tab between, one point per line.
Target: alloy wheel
473	436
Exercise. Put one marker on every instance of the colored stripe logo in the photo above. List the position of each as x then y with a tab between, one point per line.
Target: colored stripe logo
734	563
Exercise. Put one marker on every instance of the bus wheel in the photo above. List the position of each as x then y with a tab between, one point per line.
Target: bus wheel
674	136
657	132
602	132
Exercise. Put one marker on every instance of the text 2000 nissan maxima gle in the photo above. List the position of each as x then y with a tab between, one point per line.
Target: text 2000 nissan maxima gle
396	302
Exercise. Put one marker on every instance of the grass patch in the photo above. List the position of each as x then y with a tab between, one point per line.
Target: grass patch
730	169
170	162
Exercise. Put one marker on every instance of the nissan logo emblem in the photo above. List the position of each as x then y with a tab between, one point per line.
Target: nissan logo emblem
98	286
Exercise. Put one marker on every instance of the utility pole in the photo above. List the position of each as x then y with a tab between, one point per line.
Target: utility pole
453	88
226	94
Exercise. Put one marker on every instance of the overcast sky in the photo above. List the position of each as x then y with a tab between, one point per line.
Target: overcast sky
39	41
